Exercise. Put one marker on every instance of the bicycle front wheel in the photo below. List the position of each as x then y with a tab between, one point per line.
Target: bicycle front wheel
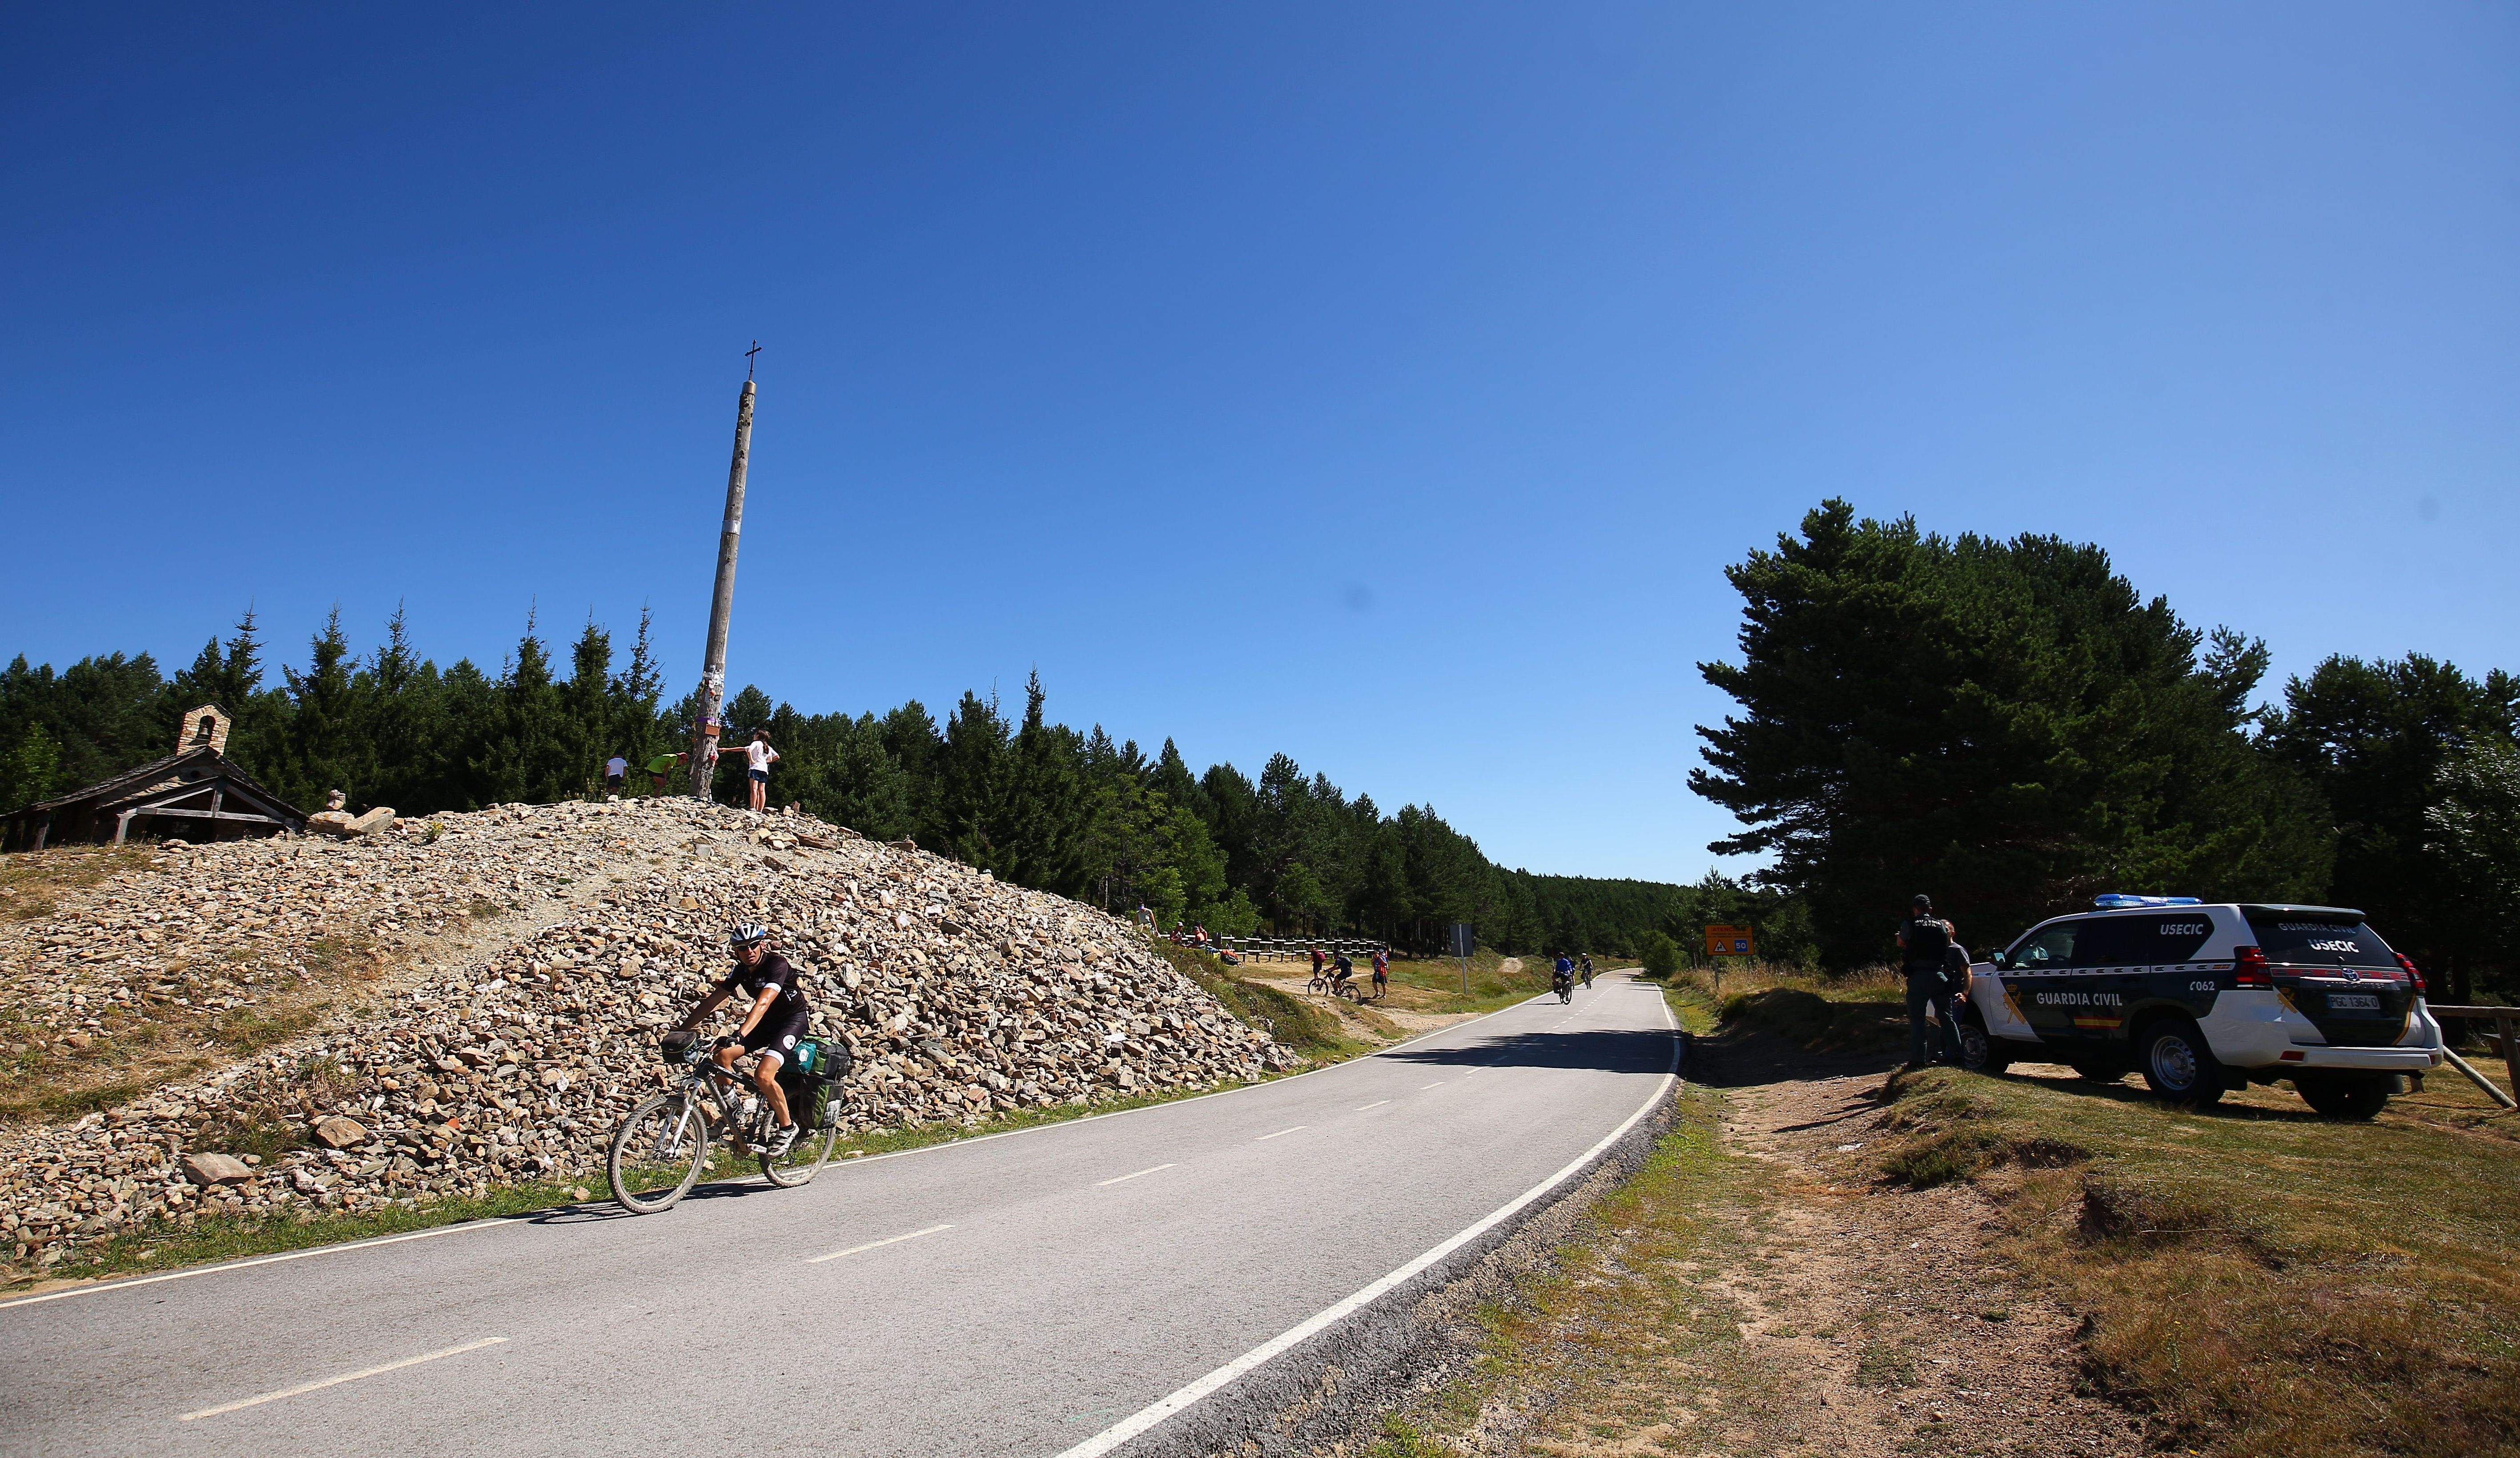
803	1160
658	1153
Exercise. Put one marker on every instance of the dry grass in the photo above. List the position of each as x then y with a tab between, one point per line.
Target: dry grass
1863	1012
33	883
163	1039
2268	1282
1626	1316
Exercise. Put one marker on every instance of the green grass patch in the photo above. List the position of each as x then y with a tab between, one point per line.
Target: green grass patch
1313	1031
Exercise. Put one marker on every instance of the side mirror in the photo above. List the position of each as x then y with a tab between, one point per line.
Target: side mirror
1997	961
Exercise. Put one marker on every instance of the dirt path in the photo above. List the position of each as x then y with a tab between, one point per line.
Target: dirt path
1886	1322
1760	1290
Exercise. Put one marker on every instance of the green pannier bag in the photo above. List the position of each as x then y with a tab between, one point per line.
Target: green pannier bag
811	1078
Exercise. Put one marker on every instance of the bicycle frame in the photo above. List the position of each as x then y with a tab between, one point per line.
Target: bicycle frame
702	1090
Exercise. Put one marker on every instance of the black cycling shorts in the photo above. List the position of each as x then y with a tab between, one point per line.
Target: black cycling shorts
777	1034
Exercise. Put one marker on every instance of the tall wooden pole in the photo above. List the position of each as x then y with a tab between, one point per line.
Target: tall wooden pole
705	732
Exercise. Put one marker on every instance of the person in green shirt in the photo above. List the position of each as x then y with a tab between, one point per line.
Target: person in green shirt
662	765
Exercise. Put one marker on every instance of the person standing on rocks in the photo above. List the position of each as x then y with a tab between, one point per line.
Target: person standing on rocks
777	1019
1923	939
615	769
661	766
758	756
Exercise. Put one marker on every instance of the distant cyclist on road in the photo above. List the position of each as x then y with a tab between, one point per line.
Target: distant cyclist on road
1588	969
771	1028
1562	978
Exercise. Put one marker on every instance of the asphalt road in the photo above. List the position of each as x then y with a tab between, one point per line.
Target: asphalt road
1029	1295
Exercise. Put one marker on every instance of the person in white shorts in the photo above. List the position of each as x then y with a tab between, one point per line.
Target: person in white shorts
758	756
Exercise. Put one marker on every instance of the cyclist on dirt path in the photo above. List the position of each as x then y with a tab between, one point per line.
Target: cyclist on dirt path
771	1028
1318	960
1344	973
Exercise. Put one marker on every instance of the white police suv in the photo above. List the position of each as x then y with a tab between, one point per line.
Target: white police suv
2202	998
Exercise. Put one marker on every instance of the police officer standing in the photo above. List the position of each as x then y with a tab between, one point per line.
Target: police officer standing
1923	940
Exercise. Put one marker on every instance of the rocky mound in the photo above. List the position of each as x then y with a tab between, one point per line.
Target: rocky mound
960	994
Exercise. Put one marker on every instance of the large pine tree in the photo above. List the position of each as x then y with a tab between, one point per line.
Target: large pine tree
2007	726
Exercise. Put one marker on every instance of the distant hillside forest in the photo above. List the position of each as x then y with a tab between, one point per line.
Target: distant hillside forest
2013	727
1035	802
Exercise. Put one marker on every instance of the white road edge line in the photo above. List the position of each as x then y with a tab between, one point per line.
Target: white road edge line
202	1270
304	1387
1146	1417
100	1288
1098	1184
889	1240
1280	1132
1377	1104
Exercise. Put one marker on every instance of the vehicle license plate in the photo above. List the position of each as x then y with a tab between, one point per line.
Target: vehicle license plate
2354	1002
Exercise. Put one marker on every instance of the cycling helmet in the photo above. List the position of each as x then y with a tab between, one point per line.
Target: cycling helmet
746	933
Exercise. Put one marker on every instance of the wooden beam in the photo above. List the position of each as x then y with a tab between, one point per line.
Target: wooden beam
204	815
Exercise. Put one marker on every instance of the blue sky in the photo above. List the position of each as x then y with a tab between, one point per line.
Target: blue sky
1384	385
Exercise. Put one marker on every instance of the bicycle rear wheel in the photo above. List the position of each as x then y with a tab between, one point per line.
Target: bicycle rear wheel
657	1154
803	1160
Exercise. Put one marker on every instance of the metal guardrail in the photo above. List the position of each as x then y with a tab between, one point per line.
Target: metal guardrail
1298	949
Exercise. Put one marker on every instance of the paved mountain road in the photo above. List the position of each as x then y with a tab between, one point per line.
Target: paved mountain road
1010	1295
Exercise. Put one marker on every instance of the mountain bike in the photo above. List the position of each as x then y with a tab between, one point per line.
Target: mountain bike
662	1143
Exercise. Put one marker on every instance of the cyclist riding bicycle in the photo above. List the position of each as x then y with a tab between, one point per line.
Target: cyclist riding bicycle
1588	969
1342	972
1561	976
777	1019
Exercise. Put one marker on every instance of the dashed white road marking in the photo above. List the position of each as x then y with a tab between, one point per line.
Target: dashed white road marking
1280	1132
1377	1104
1438	1084
889	1240
310	1387
1098	1184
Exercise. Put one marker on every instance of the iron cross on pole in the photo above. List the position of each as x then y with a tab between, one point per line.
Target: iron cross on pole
747	358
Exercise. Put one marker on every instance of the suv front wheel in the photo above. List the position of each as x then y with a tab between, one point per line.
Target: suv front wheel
1980	1053
2177	1064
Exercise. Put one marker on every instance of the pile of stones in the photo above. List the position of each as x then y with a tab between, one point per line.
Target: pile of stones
959	996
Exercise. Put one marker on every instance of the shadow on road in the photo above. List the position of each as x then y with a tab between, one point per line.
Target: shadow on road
1617	1050
596	1212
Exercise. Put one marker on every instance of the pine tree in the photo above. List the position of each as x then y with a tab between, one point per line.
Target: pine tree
2008	725
327	749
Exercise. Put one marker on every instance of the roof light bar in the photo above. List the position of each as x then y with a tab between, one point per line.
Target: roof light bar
2118	900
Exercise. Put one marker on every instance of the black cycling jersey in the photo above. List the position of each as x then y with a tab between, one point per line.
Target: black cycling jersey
773	975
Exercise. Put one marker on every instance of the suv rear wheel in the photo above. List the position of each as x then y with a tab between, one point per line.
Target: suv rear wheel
2344	1096
2177	1064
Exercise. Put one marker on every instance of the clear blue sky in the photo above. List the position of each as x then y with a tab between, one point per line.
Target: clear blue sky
1383	384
